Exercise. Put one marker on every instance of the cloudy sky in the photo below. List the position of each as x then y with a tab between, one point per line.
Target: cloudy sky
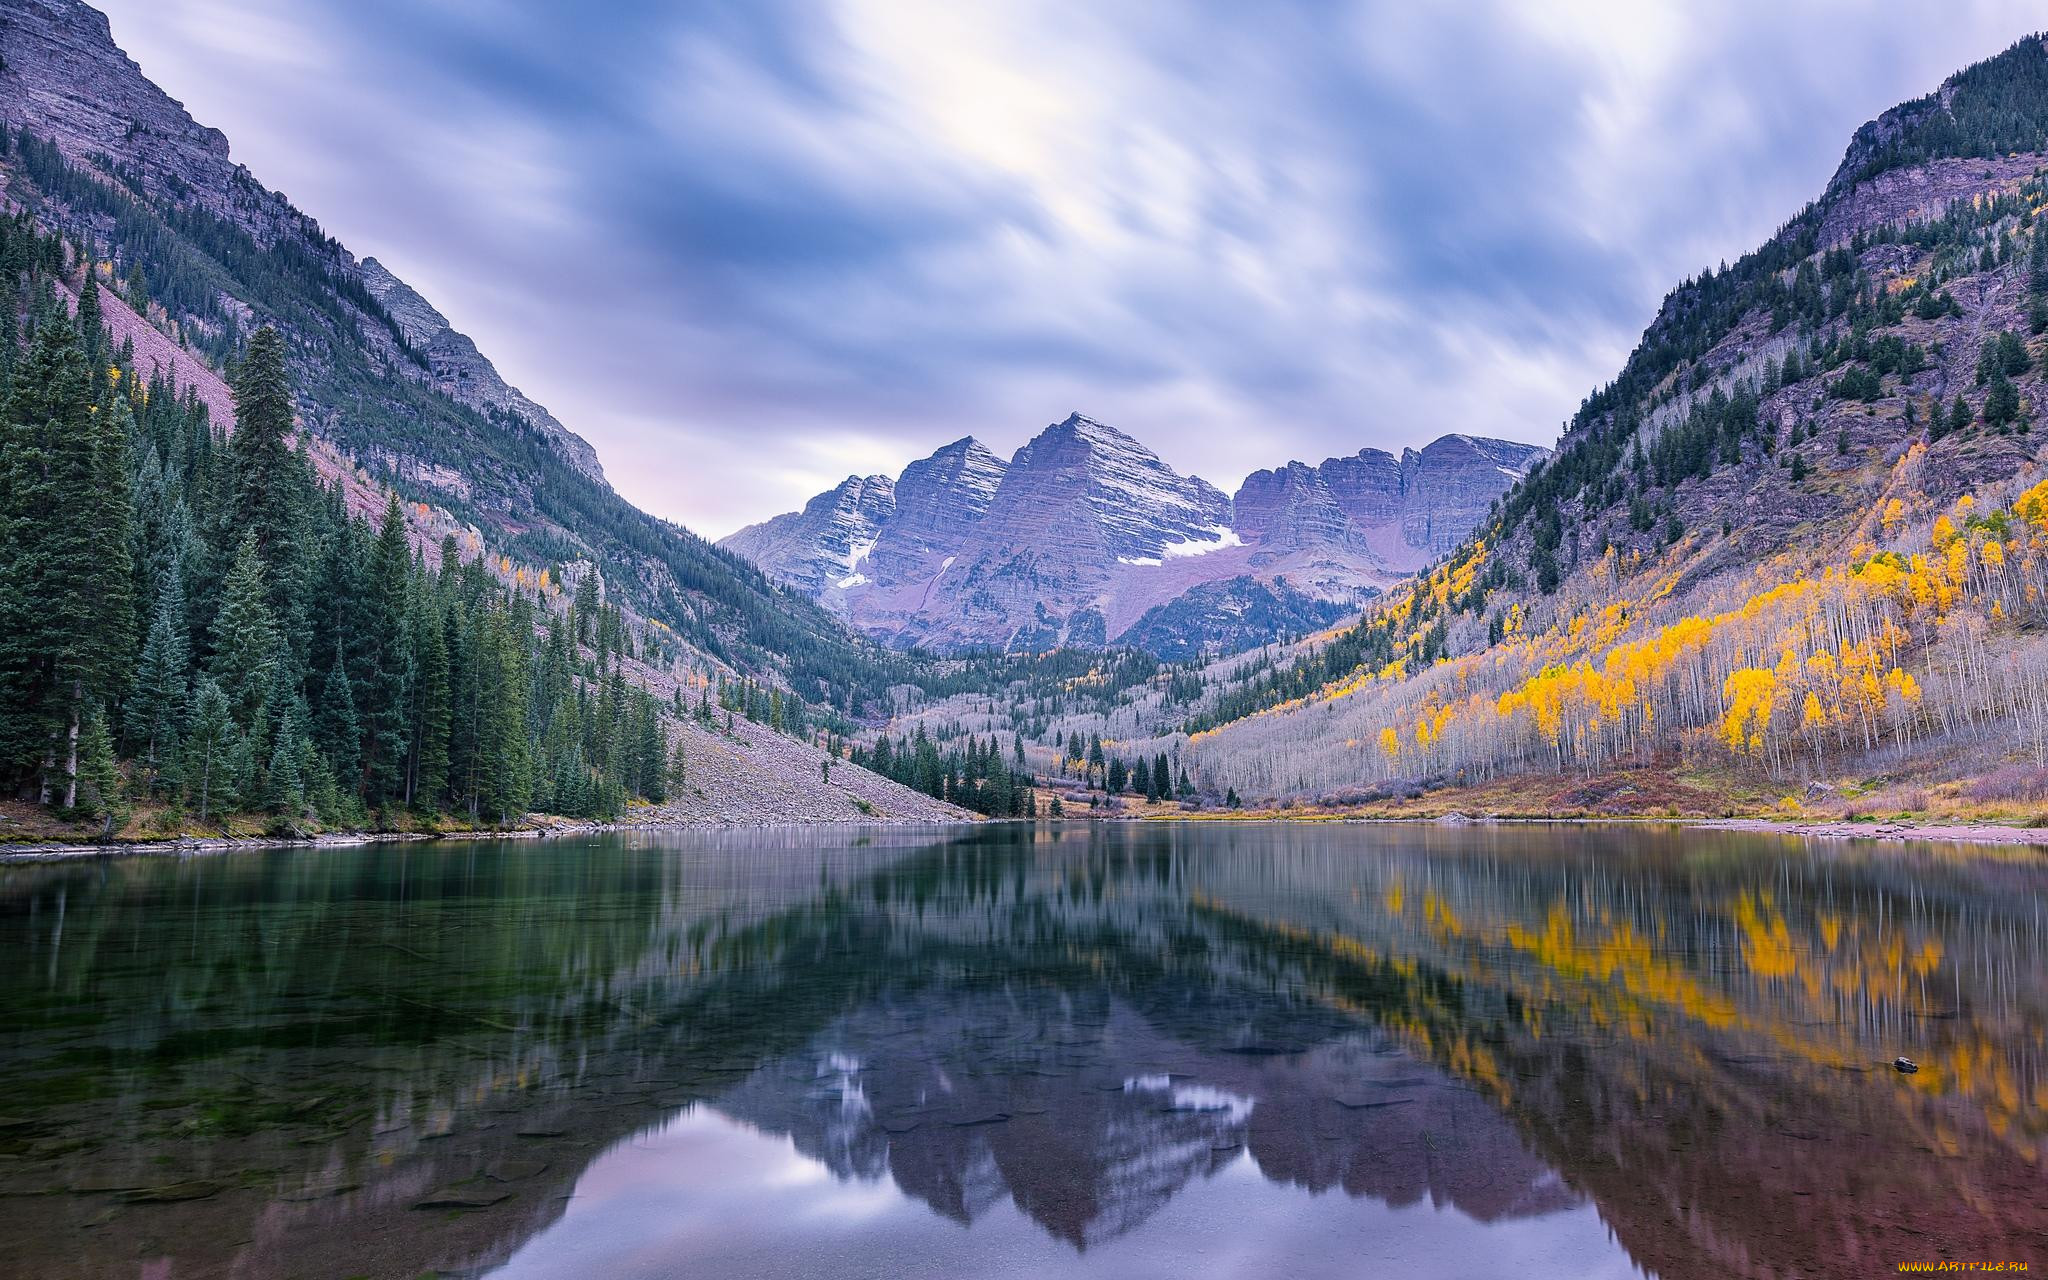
749	248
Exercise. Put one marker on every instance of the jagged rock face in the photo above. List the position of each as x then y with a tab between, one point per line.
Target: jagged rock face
463	373
1367	486
1102	497
1076	509
938	499
1292	505
824	548
1432	498
1447	487
1087	537
65	80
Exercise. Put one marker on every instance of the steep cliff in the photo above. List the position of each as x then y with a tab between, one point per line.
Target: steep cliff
824	548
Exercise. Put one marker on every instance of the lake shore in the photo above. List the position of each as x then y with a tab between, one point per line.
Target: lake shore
1894	832
1905	829
1935	830
548	829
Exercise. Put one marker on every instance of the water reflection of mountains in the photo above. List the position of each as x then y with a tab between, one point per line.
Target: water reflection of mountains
1503	1021
1089	1115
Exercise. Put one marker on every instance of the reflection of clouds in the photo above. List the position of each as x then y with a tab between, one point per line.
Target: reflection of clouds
708	1196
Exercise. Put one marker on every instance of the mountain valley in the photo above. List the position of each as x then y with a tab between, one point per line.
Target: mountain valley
1792	556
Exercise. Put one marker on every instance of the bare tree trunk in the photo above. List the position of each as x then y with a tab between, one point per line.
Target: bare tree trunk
71	747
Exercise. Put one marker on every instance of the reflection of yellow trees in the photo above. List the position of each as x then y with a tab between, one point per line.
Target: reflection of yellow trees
1621	958
1808	990
1766	942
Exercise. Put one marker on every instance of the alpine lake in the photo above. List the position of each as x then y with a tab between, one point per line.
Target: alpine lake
1109	1049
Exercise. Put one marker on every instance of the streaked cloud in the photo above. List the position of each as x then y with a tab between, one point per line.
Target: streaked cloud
747	248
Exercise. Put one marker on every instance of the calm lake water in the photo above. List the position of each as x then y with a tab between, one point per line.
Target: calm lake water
1111	1050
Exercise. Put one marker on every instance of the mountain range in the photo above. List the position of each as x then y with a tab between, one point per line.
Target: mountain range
1086	538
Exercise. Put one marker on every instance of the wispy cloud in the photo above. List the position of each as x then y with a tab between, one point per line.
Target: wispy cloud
748	248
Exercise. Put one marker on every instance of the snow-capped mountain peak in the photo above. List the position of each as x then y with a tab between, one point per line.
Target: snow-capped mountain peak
1086	533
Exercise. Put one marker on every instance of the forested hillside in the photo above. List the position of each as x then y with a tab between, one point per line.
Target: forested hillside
459	620
206	608
210	255
1804	533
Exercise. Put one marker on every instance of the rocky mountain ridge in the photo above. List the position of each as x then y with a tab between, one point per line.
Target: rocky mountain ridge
192	254
1087	537
461	372
1841	425
98	152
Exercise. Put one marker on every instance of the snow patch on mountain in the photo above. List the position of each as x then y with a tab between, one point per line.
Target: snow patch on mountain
1223	537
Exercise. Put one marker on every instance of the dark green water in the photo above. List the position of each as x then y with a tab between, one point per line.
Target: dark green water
1113	1050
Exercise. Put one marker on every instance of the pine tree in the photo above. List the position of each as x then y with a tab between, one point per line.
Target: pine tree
211	743
66	611
262	448
432	707
284	787
104	795
337	731
244	637
157	703
2002	402
91	322
506	782
384	675
162	529
651	749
